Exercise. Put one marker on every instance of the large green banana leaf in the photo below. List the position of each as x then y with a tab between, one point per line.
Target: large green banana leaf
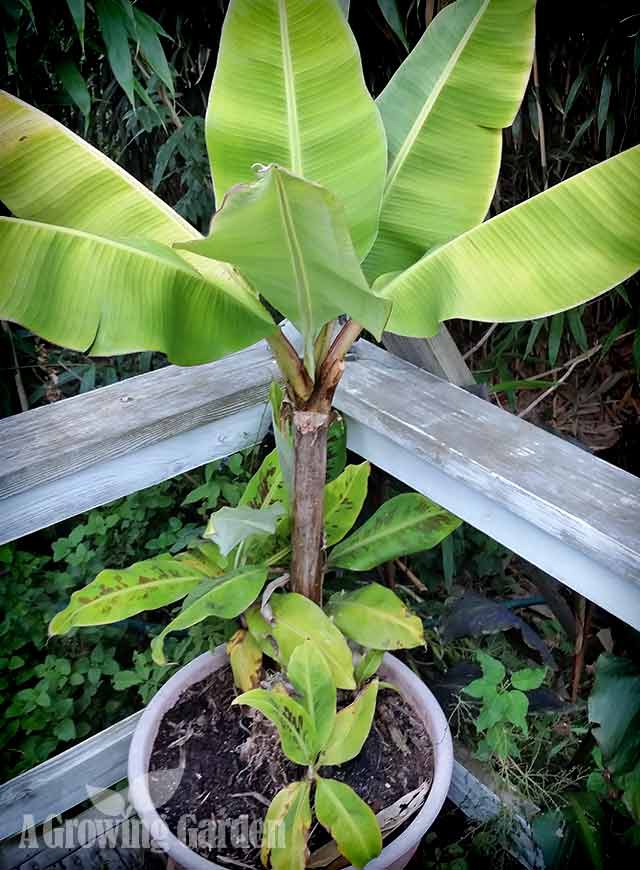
105	297
49	174
290	239
443	112
557	250
288	89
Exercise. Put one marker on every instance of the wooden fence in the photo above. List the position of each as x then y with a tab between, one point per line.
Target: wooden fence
564	510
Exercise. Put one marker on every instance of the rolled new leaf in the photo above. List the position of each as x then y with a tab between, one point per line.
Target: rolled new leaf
443	111
229	527
288	89
106	297
552	252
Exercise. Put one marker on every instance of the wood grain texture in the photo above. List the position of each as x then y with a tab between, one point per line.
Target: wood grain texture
61	783
51	442
91	840
568	512
98	484
66	458
470	793
438	355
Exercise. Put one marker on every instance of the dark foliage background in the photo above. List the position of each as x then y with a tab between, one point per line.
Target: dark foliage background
581	107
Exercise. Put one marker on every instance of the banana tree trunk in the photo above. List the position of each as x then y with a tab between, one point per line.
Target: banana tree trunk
309	472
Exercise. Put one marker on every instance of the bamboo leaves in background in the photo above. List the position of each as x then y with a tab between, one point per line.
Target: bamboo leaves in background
75	85
78	13
113	19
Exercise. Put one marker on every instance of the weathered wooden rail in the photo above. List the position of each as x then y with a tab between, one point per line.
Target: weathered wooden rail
564	510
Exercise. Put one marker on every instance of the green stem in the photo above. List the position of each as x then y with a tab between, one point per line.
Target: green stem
291	365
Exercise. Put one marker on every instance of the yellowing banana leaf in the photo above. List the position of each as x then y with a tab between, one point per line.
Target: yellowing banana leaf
376	618
351	727
555	251
294	724
297	619
49	174
118	594
105	297
288	89
245	658
289	238
351	823
443	112
286	828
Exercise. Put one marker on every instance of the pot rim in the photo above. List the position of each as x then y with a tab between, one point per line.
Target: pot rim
413	690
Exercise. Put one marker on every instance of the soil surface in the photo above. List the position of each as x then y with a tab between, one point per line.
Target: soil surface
215	768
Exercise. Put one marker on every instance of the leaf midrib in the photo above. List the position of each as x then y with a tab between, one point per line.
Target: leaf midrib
342	812
401	621
364	542
430	102
142	587
293	126
303	289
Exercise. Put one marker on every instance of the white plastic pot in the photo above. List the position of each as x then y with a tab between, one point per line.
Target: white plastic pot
395	856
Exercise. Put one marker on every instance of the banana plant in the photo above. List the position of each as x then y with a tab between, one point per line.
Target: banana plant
225	576
328	203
